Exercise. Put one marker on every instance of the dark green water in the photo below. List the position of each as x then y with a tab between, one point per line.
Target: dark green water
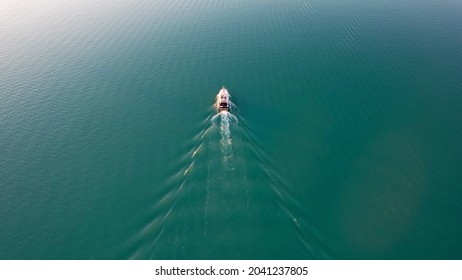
347	143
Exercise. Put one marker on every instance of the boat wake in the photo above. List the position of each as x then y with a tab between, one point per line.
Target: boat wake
224	119
224	187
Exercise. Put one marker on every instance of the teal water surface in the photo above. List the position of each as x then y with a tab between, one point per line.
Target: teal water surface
344	141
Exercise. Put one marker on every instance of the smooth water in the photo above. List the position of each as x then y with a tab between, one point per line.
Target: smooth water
344	142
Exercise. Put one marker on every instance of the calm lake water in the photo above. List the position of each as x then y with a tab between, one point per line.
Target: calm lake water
344	142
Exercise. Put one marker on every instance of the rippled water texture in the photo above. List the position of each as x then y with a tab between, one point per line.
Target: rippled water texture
343	141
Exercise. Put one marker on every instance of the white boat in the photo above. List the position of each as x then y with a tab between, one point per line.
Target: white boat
223	101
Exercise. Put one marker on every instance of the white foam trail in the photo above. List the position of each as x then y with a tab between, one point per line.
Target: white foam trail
223	121
196	150
189	168
226	140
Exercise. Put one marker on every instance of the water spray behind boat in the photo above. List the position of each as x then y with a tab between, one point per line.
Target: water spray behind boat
223	119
